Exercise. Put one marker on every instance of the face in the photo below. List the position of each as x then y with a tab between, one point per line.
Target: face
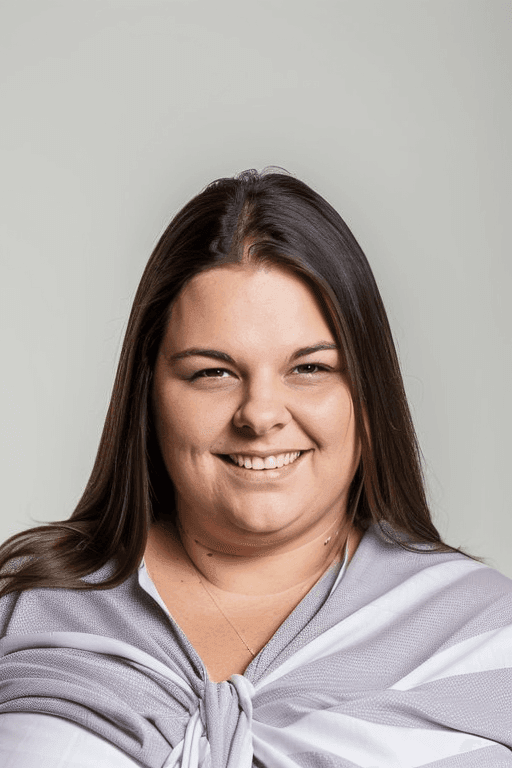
253	413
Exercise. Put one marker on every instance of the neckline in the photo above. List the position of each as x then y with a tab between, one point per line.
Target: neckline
326	585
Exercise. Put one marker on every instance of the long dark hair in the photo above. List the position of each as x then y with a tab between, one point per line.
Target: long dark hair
287	224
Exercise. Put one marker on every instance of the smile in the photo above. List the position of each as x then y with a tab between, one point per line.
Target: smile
263	462
258	463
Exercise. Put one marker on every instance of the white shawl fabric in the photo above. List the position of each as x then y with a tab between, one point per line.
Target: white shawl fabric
404	662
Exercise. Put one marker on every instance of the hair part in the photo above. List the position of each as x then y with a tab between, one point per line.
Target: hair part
252	219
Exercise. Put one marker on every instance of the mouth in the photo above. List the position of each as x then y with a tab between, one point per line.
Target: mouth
262	463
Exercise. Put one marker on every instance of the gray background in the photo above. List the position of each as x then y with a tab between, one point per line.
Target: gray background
115	112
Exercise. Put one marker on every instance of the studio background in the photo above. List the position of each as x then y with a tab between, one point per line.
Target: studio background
116	112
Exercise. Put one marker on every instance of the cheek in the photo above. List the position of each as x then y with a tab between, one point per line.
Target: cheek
185	423
332	420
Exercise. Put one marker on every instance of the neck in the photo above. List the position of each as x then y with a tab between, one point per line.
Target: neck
273	572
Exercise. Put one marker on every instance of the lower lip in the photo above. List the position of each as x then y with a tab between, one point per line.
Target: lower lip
264	475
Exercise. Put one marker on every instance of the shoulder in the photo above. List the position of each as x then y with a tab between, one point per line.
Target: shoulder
418	580
119	611
394	552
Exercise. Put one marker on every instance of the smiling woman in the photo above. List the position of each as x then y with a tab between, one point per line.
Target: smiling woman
252	576
264	406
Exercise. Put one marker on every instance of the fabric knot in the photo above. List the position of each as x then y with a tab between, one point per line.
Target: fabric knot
245	691
204	744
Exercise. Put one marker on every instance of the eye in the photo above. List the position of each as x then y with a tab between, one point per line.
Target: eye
309	369
211	373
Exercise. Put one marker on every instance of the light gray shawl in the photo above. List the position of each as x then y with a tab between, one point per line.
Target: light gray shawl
405	661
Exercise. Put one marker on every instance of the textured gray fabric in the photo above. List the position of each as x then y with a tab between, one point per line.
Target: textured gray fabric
406	647
489	757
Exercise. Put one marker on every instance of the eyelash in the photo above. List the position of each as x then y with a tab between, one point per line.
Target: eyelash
202	374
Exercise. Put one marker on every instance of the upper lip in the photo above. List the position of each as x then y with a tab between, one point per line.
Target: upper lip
265	454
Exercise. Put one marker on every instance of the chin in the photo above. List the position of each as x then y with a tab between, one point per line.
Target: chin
263	522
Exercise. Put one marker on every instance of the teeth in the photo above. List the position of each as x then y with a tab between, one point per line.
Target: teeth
258	462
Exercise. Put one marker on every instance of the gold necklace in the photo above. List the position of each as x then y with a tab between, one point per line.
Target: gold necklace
253	654
219	607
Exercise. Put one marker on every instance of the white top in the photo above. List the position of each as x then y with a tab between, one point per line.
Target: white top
43	741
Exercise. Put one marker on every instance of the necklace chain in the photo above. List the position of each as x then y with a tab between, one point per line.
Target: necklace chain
253	654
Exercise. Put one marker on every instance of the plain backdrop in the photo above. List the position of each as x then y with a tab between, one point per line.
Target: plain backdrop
116	112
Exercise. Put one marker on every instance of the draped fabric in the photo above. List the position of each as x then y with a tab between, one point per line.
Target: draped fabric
404	660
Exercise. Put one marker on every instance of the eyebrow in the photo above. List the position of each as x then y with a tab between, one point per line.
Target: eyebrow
218	355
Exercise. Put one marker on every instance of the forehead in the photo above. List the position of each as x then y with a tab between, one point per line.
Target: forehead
237	303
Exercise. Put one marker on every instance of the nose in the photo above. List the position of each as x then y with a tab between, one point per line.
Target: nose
263	408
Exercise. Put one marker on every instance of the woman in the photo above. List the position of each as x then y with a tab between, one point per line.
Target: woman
252	577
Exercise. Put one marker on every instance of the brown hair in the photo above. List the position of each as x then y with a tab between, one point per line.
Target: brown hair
287	224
